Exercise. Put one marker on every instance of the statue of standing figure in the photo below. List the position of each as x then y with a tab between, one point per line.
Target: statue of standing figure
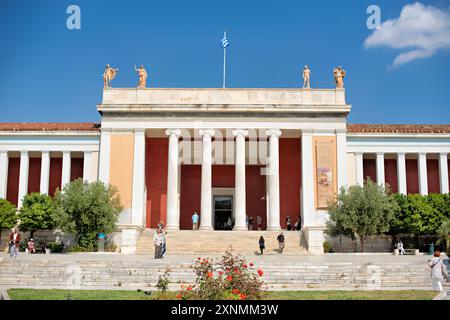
306	77
108	75
339	75
142	76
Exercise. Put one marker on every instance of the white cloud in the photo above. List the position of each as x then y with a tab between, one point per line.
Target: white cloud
420	32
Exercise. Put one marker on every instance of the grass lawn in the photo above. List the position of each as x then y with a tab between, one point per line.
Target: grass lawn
53	294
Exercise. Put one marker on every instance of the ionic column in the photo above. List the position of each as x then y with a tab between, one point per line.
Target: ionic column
359	168
65	169
239	189
104	157
3	173
423	177
137	202
443	172
401	173
274	180
173	220
23	176
307	199
206	206
380	168
341	146
87	166
45	172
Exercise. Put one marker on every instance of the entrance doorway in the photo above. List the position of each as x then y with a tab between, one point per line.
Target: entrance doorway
223	212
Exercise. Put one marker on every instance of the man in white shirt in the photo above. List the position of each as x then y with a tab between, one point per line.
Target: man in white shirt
438	271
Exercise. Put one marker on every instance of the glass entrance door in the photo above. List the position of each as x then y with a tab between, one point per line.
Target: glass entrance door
223	213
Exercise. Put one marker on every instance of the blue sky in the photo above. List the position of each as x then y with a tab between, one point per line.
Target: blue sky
49	73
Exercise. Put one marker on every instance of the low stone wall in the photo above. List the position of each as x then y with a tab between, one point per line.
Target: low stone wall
40	235
372	244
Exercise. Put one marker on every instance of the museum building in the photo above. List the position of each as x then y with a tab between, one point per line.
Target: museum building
228	154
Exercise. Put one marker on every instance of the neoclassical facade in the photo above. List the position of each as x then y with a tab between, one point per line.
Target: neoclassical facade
228	154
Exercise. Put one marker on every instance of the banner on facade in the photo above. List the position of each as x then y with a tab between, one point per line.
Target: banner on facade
325	170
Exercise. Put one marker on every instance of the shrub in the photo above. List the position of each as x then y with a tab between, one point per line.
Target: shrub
163	281
327	248
8	216
56	247
231	279
36	213
84	209
78	248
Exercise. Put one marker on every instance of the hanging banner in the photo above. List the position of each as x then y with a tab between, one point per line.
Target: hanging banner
325	170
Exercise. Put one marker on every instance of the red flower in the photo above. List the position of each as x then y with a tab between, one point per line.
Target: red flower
220	272
245	266
230	278
235	269
179	296
235	291
251	264
242	296
198	258
260	272
189	288
209	275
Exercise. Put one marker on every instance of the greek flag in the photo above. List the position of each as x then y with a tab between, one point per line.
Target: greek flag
225	42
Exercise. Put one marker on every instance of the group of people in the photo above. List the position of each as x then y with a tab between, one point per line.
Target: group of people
297	225
280	239
14	243
159	240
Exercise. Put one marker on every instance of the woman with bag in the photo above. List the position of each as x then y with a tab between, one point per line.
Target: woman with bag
438	271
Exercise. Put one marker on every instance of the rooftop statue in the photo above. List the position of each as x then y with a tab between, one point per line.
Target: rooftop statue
339	75
306	77
108	75
142	76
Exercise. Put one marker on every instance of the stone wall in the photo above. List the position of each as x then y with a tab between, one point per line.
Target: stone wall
39	235
372	244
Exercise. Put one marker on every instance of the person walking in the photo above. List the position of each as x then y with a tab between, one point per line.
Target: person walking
438	271
164	244
262	244
259	222
158	241
14	242
280	239
195	221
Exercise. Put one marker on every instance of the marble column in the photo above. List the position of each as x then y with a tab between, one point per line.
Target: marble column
104	157
380	168
274	180
87	166
3	173
307	196
443	172
359	168
66	162
423	176
401	173
173	219
341	146
138	199
45	172
239	189
206	193
23	176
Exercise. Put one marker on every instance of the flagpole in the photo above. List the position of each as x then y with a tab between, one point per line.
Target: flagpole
224	64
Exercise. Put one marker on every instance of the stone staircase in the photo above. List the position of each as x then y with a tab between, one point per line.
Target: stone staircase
99	273
216	242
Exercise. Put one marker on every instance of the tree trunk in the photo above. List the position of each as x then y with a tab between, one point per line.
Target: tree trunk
31	234
362	239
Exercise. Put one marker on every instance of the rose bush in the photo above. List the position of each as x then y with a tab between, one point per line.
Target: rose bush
231	278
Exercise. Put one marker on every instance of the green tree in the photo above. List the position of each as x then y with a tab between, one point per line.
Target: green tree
8	216
444	232
84	209
362	211
36	213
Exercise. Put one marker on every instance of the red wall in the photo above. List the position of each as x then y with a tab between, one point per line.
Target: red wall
76	168
255	193
190	189
433	176
370	169
289	152
12	189
390	173
412	176
55	175
223	176
34	175
156	154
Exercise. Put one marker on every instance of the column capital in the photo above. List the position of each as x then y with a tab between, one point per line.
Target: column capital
46	152
176	132
3	153
206	132
442	154
359	154
240	132
401	154
66	153
422	154
24	153
380	154
275	132
139	131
